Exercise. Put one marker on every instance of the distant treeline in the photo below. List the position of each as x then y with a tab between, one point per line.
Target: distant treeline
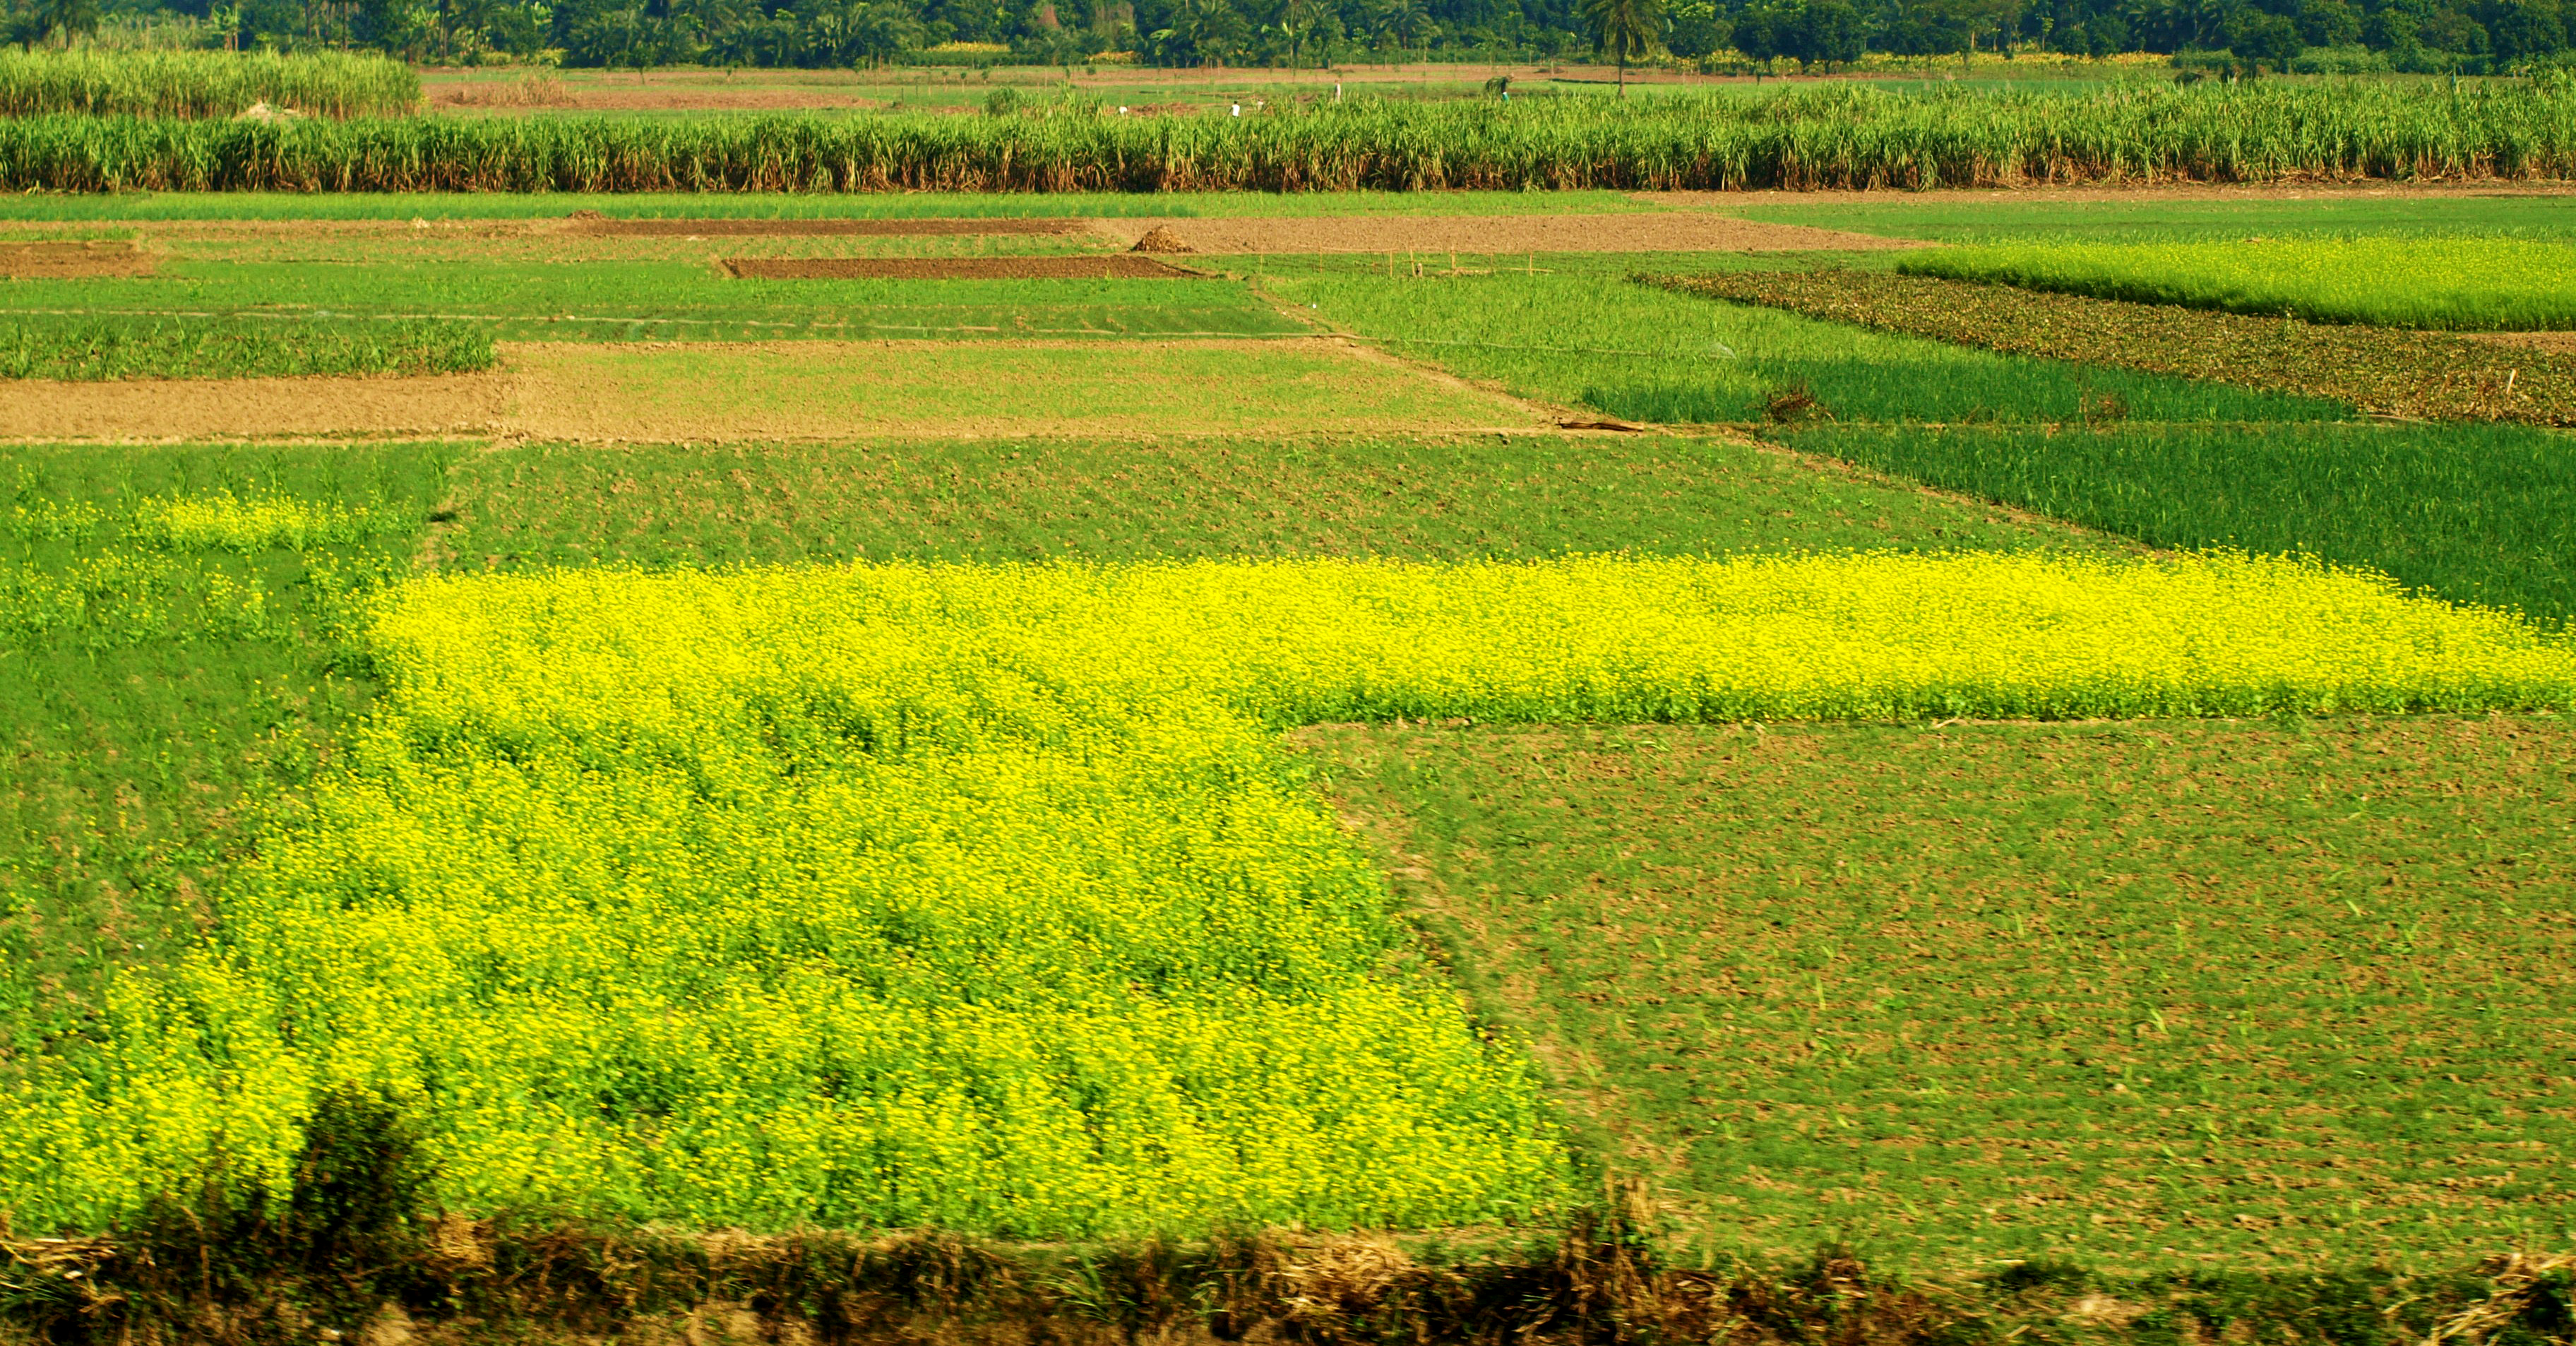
2347	36
1839	136
203	83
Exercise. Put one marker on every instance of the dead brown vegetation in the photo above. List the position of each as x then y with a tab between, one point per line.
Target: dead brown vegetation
75	259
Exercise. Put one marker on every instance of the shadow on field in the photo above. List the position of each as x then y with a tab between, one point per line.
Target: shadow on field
352	1253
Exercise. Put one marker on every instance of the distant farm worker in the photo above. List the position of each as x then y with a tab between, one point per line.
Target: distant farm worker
1238	109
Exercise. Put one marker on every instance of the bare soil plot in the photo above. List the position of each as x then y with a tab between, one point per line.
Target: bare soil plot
1116	266
811	390
2415	375
1676	231
73	259
2555	343
593	225
284	408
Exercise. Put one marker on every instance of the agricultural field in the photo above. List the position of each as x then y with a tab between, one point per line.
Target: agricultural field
1426	765
2492	284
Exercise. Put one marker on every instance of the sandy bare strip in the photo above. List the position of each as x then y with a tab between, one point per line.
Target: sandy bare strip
923	228
2556	343
1124	266
56	260
1677	231
156	409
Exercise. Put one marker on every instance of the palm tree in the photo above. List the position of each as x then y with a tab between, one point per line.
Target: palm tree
1626	29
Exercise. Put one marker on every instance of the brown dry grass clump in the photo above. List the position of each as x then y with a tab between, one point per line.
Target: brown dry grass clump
75	259
1161	239
2415	375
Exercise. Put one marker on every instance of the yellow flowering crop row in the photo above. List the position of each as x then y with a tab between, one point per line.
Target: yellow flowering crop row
986	897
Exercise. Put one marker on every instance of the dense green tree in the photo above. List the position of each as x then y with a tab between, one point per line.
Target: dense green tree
1625	30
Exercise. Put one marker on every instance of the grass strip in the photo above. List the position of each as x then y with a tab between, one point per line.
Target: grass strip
2141	998
2472	284
988	500
2417	375
986	898
2474	513
94	348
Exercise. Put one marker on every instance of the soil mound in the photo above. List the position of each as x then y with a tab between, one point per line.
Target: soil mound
55	261
591	222
1160	239
1115	266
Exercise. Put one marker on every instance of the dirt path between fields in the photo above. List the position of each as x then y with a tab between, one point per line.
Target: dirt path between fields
1666	231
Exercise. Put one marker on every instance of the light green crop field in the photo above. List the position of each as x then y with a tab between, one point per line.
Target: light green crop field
624	298
2154	217
2474	284
1582	332
2150	997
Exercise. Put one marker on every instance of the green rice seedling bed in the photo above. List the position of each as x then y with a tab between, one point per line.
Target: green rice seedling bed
2417	375
538	505
982	898
157	674
669	300
1577	332
2036	216
2152	997
2476	514
2474	284
127	346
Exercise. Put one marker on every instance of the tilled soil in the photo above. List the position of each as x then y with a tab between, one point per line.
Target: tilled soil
2555	343
1117	266
2385	371
60	260
1674	231
594	226
172	409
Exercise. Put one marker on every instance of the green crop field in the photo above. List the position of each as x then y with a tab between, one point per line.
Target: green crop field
2473	284
2150	996
1386	795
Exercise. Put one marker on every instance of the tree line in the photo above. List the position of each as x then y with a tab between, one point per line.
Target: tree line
2347	36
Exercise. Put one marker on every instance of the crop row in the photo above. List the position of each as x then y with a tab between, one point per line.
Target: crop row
203	83
1838	137
985	897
